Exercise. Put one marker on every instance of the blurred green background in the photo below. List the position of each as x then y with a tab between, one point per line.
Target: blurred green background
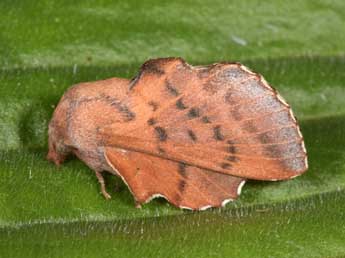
46	46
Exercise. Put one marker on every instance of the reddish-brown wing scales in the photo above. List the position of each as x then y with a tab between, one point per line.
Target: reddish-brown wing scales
184	186
189	134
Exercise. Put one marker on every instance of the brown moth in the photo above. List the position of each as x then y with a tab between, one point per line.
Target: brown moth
190	134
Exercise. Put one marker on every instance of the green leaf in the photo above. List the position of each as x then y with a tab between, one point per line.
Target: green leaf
46	46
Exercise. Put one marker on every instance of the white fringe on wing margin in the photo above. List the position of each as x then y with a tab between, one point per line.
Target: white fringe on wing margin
239	189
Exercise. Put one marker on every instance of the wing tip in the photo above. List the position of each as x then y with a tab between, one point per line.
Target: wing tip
293	117
293	173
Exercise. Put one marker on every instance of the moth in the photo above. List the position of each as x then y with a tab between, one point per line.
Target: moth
190	134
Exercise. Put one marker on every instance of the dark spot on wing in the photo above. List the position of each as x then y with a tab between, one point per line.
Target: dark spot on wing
171	89
231	149
128	113
123	109
117	104
181	186
161	133
232	158
151	121
192	135
225	165
230	142
154	105
193	113
205	120
182	169
152	66
183	173
217	134
180	105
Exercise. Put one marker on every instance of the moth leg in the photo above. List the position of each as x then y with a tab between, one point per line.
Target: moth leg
101	181
138	205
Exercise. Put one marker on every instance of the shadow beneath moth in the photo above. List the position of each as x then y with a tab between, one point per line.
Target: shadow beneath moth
190	134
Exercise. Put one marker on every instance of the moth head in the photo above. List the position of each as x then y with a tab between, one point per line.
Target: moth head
58	151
